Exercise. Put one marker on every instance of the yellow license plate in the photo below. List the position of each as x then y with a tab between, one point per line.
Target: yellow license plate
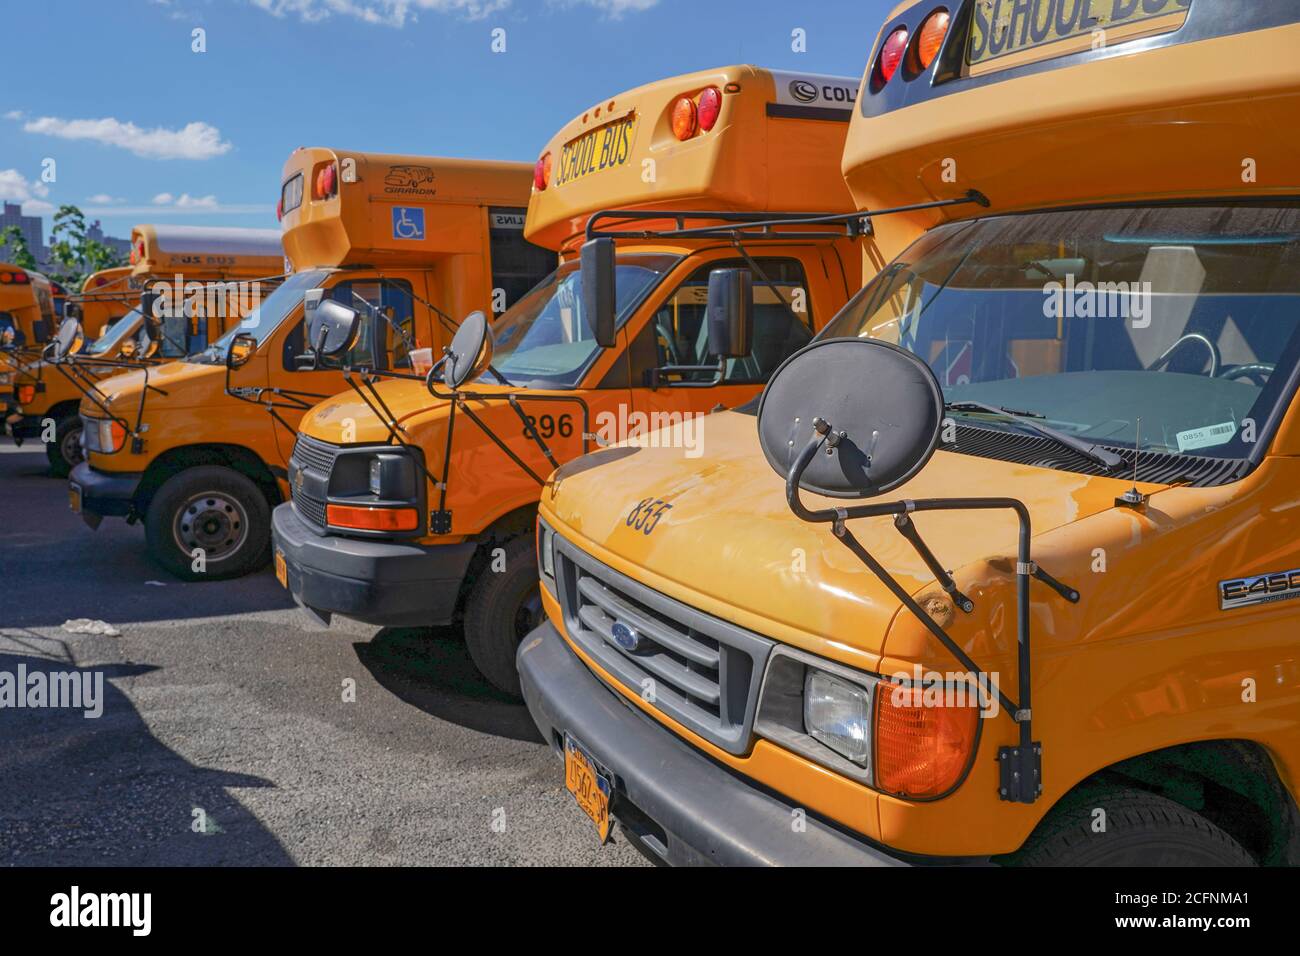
1014	32
588	785
608	147
74	498
281	570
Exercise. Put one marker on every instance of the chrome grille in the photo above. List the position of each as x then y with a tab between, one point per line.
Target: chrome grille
700	670
316	460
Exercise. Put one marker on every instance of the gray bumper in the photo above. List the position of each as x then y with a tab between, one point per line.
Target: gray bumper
104	493
388	583
681	806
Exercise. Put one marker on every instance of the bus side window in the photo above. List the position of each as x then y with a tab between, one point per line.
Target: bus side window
782	323
517	264
378	346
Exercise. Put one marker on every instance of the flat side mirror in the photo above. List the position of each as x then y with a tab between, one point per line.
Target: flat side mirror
877	408
470	351
731	313
242	348
599	303
152	326
332	328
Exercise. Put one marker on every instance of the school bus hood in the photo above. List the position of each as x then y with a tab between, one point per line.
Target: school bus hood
186	384
730	546
346	418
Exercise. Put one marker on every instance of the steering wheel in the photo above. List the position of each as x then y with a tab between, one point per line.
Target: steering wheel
666	336
1257	372
1215	359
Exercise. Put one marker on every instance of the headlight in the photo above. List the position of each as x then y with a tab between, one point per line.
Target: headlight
392	478
102	435
838	714
546	549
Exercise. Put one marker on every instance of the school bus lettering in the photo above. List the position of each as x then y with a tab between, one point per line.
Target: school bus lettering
1004	27
604	148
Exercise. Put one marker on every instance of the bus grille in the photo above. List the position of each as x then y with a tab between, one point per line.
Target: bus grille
700	670
316	458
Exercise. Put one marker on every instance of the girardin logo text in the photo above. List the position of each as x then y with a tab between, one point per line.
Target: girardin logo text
1261	589
409	180
75	908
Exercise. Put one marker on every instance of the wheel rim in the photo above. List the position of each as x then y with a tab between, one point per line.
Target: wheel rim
214	521
70	446
528	615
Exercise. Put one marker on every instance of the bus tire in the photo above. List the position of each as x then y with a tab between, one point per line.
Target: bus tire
64	453
1141	829
217	510
503	606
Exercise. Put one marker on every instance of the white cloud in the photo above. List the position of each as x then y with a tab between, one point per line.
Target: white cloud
611	8
391	13
103	199
15	187
193	141
15	115
186	201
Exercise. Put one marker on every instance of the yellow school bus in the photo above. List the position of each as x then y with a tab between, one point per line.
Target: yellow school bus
444	529
26	323
198	448
1000	567
177	263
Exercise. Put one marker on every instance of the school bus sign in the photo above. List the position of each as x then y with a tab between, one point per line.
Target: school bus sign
1013	32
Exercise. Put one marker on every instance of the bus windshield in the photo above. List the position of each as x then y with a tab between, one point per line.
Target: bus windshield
1185	318
114	333
268	315
545	340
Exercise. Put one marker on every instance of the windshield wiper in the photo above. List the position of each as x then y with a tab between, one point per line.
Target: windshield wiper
1094	453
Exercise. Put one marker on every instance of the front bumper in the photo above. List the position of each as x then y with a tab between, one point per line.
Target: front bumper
679	805
105	494
388	583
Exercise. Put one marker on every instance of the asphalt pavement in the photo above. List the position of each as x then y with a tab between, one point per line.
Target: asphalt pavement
233	731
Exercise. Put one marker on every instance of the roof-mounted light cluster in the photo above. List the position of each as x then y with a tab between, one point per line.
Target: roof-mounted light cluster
915	54
13	278
694	115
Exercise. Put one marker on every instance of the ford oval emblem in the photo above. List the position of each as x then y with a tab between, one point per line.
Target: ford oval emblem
626	637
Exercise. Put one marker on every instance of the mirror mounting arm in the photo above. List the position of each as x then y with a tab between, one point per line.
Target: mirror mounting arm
1020	767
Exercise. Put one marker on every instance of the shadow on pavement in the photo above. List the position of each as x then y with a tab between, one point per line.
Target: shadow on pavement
104	791
431	669
55	568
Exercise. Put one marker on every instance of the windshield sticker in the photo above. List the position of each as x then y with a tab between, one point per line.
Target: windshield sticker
1210	436
1261	589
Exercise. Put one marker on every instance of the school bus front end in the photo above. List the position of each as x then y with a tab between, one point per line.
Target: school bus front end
1065	635
469	463
199	448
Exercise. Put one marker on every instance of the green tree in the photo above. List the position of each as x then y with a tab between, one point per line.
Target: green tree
15	250
73	254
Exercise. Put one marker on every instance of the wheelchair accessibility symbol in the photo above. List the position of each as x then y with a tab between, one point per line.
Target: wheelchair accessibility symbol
408	222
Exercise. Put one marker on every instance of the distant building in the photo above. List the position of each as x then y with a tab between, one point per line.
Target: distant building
121	246
32	228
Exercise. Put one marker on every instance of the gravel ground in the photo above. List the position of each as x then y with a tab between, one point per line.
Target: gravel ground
225	737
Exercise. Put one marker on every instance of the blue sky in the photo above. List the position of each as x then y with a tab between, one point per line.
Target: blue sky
143	129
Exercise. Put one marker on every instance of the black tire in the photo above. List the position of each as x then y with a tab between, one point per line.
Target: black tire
503	607
64	453
1142	829
213	508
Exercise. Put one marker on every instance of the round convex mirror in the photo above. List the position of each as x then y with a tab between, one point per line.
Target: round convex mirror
470	351
884	400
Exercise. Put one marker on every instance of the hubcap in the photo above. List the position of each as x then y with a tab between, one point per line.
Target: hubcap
213	521
70	446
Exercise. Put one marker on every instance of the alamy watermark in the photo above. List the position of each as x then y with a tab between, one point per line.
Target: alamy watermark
65	690
1130	301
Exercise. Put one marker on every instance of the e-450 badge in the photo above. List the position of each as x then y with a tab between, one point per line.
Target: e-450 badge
1261	589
